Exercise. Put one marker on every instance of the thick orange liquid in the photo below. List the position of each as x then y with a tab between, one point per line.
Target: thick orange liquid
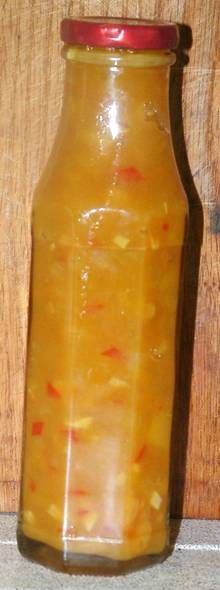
108	230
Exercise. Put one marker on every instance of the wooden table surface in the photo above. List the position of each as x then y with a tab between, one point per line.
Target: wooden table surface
30	98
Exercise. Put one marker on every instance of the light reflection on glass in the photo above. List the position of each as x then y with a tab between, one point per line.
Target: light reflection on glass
113	123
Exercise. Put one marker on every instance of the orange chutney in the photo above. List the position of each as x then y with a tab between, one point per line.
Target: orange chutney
109	221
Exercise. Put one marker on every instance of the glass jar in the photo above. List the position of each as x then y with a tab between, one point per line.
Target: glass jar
109	221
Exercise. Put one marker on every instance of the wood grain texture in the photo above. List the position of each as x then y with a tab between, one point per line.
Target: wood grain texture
30	101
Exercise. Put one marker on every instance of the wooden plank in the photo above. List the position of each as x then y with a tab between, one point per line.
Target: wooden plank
30	101
193	563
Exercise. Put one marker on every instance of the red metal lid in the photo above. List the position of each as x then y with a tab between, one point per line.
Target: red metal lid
121	33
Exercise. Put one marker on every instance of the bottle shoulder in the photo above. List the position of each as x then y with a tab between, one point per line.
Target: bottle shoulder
130	188
96	211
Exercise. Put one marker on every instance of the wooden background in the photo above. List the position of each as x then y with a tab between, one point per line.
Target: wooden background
30	99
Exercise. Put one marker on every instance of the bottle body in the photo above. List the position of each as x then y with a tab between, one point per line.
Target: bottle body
108	232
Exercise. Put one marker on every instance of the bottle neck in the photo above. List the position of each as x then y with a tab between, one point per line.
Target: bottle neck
113	93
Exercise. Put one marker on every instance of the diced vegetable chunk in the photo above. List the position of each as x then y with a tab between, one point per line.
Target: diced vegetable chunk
114	353
90	520
118	383
32	485
165	226
55	512
72	434
37	428
92	308
81	423
78	492
141	454
28	517
52	391
156	500
154	243
121	241
130	174
82	511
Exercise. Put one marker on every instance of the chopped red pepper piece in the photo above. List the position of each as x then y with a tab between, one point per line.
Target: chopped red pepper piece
62	257
72	433
130	532
165	226
37	428
141	454
130	174
52	391
32	485
114	353
82	512
118	401
78	492
93	307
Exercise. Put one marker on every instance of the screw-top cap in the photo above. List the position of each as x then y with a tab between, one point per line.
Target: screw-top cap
120	33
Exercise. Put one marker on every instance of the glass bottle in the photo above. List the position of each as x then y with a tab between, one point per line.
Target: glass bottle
109	219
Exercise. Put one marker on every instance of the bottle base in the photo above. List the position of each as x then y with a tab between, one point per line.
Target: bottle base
75	563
